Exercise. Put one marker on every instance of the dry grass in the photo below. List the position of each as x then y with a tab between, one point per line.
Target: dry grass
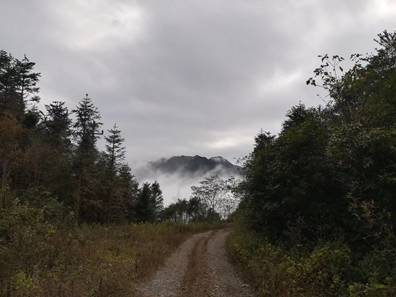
91	260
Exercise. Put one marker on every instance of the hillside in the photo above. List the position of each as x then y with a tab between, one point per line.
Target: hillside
195	165
177	174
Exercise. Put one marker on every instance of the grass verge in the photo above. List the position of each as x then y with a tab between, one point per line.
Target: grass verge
87	261
328	270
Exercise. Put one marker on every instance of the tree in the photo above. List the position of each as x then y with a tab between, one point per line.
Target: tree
86	132
330	171
144	206
149	204
26	79
115	203
115	149
11	134
57	132
208	191
230	198
291	176
57	124
46	157
217	195
196	210
18	83
177	212
86	127
128	189
157	200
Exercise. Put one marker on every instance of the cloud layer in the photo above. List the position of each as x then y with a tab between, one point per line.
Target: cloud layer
187	76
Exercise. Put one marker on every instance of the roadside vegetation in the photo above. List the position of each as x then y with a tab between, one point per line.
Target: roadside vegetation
91	260
318	210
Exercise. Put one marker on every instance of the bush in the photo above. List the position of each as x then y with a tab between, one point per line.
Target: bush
328	270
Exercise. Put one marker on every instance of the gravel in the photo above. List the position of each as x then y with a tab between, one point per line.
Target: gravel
199	268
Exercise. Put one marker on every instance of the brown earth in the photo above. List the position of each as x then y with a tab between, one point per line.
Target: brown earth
199	268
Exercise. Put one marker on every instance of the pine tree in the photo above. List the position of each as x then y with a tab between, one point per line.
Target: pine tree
129	189
57	124
86	127
115	204
157	200
144	206
149	204
115	150
86	132
26	80
56	127
18	83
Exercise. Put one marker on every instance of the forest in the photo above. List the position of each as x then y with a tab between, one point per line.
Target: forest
319	198
64	203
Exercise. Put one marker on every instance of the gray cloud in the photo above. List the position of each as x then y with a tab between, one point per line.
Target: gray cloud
187	76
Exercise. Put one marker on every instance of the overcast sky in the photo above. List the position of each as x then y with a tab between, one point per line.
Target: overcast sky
187	76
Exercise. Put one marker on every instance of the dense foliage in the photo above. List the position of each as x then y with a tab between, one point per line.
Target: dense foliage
49	159
330	177
53	179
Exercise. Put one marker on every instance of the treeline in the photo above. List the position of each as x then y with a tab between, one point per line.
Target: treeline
322	193
49	158
212	200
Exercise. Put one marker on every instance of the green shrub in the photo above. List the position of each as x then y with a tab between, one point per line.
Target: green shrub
328	270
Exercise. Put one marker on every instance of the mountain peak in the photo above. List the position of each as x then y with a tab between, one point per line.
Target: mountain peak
195	165
219	159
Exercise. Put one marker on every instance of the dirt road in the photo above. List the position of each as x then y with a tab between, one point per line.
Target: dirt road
199	268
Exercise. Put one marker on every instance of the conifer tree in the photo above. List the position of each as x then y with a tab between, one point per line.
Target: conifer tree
144	206
149	204
86	132
115	203
57	124
86	127
157	200
128	187
18	83
115	149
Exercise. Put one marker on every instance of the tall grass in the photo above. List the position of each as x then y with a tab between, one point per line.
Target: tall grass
329	270
42	260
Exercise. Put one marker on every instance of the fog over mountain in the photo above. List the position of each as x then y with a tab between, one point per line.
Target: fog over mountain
177	174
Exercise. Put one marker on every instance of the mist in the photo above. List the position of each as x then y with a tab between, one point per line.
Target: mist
178	185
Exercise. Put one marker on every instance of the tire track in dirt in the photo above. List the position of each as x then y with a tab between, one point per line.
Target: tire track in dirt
199	268
167	281
197	271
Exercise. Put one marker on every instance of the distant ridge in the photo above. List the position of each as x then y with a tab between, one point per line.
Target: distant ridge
177	174
195	165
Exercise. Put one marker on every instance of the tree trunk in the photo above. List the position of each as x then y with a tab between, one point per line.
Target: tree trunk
3	191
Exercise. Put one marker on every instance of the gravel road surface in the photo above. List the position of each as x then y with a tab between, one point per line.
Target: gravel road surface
199	268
